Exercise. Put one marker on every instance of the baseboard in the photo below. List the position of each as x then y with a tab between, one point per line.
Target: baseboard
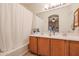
20	51
24	53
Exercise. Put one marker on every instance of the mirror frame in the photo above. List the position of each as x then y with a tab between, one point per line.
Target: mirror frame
76	19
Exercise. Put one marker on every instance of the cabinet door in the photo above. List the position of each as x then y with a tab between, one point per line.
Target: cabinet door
57	47
43	46
33	44
66	48
74	48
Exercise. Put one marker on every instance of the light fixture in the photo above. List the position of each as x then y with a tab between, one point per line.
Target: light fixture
53	5
46	6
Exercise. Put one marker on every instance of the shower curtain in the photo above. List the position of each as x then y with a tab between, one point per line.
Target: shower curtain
15	26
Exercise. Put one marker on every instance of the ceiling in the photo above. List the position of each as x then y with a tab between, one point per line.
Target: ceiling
37	7
34	7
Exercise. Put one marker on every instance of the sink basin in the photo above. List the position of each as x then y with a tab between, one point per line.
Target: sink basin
60	36
73	37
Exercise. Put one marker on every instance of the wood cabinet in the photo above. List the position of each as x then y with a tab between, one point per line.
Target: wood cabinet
57	47
66	47
54	47
74	48
43	46
33	44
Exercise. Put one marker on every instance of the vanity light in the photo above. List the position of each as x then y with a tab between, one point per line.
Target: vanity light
53	5
46	6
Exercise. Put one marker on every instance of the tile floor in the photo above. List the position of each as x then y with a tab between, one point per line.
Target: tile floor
30	54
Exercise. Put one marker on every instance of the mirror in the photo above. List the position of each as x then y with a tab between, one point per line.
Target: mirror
76	19
60	18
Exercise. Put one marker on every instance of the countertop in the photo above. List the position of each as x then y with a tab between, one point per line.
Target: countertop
59	36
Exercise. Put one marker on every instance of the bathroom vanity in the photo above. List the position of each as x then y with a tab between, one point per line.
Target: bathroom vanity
54	45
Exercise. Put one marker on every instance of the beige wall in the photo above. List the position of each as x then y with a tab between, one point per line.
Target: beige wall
65	17
37	22
15	26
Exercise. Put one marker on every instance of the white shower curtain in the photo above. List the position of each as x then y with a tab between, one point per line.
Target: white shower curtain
15	26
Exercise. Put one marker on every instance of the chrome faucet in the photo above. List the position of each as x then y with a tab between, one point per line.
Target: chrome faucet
53	32
50	34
